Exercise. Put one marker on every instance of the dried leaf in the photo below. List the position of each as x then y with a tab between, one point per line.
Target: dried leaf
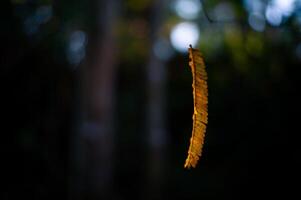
200	115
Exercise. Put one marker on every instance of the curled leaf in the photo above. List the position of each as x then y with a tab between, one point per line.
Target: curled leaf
200	99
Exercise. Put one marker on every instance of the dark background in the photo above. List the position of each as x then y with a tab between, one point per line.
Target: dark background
91	111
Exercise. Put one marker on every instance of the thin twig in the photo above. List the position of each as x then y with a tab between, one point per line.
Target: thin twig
206	13
214	20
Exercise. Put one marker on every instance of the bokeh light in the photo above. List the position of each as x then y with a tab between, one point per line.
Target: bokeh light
277	10
184	34
162	49
257	21
187	9
273	15
76	47
254	5
285	6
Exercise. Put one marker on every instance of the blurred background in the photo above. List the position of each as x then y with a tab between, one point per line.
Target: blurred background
97	98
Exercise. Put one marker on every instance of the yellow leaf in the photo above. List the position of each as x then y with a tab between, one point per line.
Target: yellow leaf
200	99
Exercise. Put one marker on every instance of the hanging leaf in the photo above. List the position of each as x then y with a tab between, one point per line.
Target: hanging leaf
200	99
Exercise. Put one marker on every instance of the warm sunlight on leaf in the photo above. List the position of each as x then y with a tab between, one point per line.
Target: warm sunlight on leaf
200	115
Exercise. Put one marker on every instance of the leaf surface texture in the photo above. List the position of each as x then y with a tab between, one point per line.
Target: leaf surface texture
200	101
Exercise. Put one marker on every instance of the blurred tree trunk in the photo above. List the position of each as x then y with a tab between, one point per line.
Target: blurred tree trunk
96	139
156	113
